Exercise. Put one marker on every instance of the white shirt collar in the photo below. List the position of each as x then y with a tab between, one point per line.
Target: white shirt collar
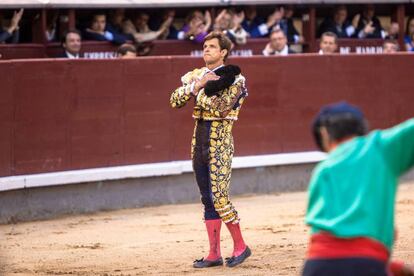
208	70
72	56
284	52
320	52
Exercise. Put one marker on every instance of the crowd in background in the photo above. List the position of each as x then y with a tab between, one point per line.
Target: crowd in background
240	24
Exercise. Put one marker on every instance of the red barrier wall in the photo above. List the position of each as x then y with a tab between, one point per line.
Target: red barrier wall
61	115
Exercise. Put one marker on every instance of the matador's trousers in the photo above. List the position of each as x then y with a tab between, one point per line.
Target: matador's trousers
212	153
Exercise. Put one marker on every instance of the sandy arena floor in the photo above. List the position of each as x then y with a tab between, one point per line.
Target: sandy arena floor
165	240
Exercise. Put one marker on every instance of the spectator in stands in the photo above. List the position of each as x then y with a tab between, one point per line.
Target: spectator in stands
368	25
51	32
338	24
274	21
236	33
140	30
252	22
126	51
10	34
328	44
156	23
409	37
277	45
230	23
390	46
196	27
71	43
141	22
290	30
393	31
281	18
116	23
98	31
409	44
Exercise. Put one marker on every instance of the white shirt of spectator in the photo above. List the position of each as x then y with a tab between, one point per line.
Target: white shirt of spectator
284	52
69	55
109	36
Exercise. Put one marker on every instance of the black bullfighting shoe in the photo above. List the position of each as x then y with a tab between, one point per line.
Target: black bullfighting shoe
233	261
206	263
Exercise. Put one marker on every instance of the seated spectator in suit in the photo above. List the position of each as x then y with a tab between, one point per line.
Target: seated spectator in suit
140	31
71	43
278	45
197	26
126	51
338	24
368	25
328	44
10	34
98	31
390	47
409	35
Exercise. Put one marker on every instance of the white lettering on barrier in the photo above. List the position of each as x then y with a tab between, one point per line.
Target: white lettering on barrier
344	50
99	55
239	53
368	49
242	53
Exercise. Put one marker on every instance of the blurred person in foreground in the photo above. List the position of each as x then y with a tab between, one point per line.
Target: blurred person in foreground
352	194
218	92
328	44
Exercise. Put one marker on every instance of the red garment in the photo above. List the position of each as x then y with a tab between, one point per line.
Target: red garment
239	244
213	230
325	246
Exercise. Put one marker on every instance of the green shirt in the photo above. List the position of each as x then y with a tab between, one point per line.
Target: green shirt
352	192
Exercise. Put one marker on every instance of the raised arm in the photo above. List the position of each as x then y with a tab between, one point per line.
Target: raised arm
398	146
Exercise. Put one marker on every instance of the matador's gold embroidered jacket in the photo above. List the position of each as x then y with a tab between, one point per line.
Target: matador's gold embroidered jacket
226	106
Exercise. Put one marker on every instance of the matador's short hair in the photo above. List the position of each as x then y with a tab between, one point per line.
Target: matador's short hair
224	41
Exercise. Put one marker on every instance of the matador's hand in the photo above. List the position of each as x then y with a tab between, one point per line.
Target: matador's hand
201	83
